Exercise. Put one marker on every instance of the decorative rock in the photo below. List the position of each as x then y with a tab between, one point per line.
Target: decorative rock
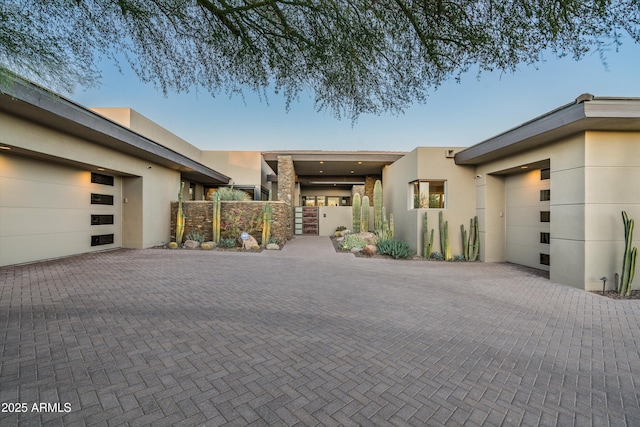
370	250
369	237
249	243
339	239
205	247
273	247
344	233
191	244
356	250
211	244
173	245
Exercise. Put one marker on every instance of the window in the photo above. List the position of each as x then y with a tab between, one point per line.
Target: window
98	178
545	216
545	259
192	191
102	239
333	201
545	238
101	219
545	174
545	195
427	194
101	199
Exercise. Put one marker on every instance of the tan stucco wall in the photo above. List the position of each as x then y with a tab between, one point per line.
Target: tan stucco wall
244	167
429	163
138	123
159	184
611	176
332	217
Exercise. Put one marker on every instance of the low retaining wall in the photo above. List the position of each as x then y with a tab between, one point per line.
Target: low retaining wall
198	216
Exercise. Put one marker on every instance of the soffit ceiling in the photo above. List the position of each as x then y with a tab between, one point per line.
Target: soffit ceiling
318	166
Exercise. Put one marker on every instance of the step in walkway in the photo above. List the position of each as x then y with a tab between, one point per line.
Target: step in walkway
308	247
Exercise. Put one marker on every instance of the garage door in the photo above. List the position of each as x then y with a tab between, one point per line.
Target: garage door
50	210
528	218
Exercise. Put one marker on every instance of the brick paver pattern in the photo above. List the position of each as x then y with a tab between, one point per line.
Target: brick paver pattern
308	337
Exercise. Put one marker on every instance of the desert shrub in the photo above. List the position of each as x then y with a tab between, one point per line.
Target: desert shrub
227	242
230	193
239	221
395	248
459	258
351	241
436	256
340	228
196	236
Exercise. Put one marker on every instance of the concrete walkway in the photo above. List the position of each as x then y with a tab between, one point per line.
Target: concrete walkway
160	337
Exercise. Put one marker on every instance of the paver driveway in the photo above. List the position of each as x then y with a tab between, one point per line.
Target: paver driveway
306	336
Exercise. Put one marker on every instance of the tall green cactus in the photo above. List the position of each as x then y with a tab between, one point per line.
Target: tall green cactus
267	218
471	243
180	217
445	249
392	228
377	205
629	257
427	238
215	218
465	242
365	214
355	212
474	239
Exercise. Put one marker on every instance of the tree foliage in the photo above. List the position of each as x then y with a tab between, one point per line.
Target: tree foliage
354	56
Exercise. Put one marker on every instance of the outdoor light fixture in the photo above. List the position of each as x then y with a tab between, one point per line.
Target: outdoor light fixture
604	283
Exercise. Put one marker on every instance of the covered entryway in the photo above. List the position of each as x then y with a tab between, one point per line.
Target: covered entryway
528	218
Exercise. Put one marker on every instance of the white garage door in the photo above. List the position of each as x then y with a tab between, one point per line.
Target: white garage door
50	210
528	219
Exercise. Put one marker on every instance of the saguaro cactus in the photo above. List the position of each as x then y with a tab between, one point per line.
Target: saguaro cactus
392	227
377	205
215	218
356	211
629	257
180	217
427	238
365	214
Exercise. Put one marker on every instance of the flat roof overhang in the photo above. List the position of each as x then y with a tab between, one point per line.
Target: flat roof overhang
588	113
38	105
339	168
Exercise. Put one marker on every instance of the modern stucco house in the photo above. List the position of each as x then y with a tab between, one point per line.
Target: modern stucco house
548	193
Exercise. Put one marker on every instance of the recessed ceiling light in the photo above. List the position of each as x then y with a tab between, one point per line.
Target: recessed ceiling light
2	147
524	167
352	172
321	171
359	163
321	162
100	169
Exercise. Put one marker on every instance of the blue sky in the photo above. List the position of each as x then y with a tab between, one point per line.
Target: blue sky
456	114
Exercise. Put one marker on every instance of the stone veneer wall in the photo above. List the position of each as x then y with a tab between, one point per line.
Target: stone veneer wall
286	189
198	216
369	183
357	189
